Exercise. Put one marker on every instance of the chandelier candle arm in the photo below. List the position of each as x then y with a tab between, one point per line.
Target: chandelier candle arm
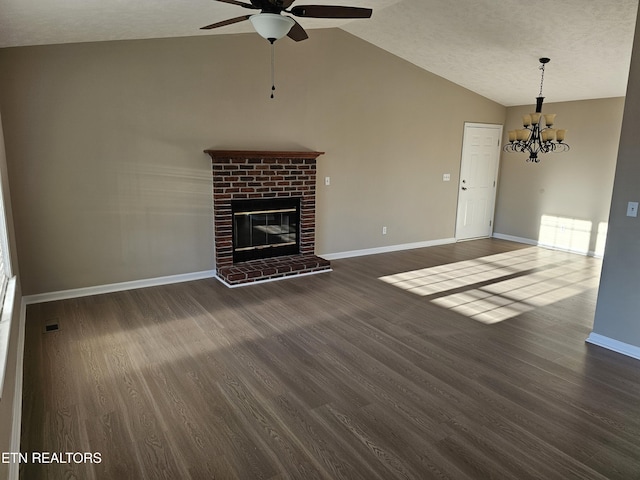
535	137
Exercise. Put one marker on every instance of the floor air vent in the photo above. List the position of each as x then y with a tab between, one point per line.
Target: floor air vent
51	327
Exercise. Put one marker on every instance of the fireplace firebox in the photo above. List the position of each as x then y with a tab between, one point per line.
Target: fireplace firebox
265	228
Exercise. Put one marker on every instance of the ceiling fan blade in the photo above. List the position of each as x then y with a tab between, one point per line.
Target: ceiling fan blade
329	11
297	33
226	22
241	4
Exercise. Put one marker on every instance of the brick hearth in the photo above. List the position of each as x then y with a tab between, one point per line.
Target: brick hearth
257	174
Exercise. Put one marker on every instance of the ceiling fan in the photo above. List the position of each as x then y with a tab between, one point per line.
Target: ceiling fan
272	25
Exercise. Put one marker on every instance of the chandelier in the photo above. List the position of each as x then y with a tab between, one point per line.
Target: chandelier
537	136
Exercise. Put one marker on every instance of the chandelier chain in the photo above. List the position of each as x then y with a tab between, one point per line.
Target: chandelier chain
541	79
273	70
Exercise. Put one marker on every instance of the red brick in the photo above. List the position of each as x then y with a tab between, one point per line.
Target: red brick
234	277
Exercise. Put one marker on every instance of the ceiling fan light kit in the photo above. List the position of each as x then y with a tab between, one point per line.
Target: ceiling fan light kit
537	135
272	26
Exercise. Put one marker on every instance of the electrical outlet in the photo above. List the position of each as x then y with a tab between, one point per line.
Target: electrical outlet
384	230
327	181
446	177
632	209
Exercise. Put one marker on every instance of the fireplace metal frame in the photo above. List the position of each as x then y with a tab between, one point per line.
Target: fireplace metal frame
261	207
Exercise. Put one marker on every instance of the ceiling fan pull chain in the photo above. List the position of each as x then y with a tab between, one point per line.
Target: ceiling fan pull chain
273	75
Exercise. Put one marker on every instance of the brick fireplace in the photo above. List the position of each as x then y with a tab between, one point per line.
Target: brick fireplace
240	176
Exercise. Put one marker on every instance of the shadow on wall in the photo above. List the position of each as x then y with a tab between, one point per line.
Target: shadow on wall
502	286
571	234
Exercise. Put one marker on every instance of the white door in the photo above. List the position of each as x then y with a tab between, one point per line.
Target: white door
478	177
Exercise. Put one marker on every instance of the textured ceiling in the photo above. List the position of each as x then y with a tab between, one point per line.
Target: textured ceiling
492	48
489	47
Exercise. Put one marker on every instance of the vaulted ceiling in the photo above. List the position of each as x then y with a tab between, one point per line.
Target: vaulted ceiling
489	47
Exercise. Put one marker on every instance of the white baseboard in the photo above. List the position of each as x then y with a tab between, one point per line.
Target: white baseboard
117	287
530	241
512	238
390	248
16	427
614	345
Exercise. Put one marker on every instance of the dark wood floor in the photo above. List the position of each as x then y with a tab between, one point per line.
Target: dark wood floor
341	375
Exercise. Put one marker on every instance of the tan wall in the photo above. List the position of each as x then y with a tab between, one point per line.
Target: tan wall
618	300
573	187
105	140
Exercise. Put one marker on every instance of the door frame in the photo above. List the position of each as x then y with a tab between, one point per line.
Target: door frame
493	126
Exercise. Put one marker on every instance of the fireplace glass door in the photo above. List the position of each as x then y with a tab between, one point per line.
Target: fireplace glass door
265	228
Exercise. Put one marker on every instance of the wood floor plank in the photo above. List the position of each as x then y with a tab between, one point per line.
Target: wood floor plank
106	435
285	451
338	376
320	442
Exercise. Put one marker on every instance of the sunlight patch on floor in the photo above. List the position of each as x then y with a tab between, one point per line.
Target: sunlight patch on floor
498	287
506	299
441	278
